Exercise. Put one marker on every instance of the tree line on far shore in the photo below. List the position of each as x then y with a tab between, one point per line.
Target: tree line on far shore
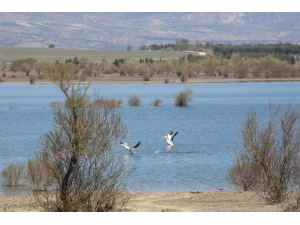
226	50
190	66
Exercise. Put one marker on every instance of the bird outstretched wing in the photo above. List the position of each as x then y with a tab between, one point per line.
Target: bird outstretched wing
135	146
174	136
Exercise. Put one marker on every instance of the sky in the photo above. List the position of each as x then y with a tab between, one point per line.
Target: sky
148	6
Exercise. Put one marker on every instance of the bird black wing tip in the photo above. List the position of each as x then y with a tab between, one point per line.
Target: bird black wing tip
137	144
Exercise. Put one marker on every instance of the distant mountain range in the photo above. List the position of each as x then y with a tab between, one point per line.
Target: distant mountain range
115	31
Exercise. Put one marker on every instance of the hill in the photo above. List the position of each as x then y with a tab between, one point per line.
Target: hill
114	31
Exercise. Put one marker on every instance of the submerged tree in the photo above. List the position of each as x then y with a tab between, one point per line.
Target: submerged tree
78	152
183	97
134	100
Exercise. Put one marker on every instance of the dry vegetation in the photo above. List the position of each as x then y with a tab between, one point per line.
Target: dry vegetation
134	100
111	102
13	175
183	97
269	161
157	102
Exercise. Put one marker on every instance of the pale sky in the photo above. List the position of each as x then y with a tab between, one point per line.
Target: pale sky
148	6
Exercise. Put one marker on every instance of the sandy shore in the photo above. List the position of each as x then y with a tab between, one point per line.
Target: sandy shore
225	201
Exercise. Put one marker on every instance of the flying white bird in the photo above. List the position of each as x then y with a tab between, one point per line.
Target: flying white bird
130	148
170	137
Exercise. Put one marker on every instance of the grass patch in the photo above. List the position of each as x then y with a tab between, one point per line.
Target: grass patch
10	54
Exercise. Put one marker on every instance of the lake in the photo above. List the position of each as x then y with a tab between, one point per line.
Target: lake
204	147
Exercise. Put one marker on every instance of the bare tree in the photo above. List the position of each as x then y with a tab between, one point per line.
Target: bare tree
79	151
270	162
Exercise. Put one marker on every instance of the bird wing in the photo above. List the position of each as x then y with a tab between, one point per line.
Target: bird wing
134	146
169	138
173	136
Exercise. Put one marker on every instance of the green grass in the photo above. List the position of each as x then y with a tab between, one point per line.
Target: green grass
9	54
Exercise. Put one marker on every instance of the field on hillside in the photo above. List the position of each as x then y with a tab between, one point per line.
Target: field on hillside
9	54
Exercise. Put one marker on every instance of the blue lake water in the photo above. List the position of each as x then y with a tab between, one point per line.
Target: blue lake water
204	147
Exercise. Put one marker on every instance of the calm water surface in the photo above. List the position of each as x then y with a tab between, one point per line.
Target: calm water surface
203	149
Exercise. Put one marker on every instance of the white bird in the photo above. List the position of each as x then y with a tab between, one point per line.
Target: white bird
170	137
130	148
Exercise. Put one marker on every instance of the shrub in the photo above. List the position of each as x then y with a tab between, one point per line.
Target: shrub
152	71
76	77
293	203
83	78
134	100
79	151
76	70
167	81
108	71
38	175
183	97
269	163
184	77
241	174
13	76
157	102
146	77
55	104
41	76
179	71
13	175
111	102
32	79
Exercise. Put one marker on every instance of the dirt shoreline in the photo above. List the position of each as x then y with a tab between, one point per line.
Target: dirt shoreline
136	79
221	201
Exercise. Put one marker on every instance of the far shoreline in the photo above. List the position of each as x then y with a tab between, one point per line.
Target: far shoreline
155	80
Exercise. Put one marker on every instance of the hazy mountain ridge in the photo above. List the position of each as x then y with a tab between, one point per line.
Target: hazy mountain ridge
117	30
